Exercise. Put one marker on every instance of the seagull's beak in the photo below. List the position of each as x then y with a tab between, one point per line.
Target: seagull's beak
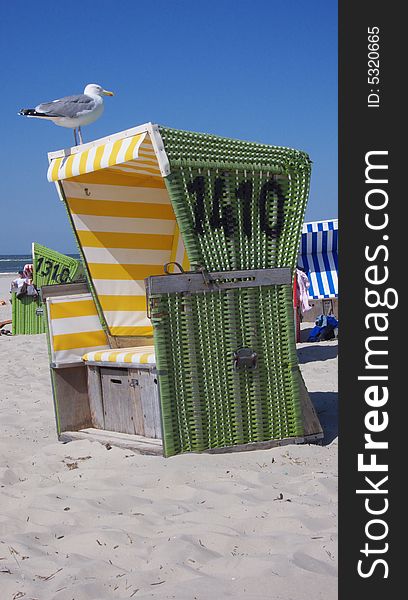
107	93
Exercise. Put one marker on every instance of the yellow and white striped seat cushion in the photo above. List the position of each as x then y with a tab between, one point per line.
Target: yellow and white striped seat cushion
143	355
74	327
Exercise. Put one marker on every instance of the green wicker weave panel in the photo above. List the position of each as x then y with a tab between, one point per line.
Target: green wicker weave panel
51	267
207	403
239	205
25	318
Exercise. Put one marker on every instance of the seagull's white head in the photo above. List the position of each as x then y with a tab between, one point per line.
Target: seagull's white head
93	89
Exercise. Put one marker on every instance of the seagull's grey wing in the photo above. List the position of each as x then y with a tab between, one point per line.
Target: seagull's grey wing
70	106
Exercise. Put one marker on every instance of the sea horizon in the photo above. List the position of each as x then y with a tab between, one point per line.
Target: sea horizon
13	263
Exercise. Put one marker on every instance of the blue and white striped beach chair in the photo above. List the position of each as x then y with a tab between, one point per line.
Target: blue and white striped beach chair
319	258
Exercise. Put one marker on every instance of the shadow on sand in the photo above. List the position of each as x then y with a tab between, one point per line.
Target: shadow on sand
317	352
326	405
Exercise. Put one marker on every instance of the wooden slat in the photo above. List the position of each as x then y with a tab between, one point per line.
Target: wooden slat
64	289
71	397
142	445
118	406
150	403
116	342
135	443
95	397
220	280
135	396
310	420
264	445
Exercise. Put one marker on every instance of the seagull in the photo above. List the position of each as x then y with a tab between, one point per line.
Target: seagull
72	111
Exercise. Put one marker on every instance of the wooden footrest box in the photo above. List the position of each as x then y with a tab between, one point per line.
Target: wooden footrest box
123	391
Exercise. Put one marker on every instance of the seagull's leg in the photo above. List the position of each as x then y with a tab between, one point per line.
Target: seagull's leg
75	137
80	135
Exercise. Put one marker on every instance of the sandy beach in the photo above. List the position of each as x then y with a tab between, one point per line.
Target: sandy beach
81	522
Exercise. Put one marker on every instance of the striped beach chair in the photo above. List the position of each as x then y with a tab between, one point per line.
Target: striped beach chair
319	258
152	195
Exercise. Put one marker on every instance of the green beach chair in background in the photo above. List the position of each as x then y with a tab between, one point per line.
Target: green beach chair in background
49	267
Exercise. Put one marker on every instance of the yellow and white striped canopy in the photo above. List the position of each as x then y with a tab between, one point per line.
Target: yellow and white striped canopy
123	219
101	156
74	328
143	355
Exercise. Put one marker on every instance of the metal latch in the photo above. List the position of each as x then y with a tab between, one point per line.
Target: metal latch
39	311
133	383
245	358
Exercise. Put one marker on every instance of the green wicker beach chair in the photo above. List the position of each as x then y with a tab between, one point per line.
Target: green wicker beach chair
49	267
225	354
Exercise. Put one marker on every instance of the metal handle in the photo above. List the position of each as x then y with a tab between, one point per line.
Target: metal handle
166	267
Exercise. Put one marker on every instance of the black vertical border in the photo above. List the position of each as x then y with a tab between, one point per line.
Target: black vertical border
363	129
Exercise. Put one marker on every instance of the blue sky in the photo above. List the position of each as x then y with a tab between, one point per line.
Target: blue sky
260	70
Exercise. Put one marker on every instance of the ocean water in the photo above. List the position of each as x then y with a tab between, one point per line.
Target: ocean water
12	263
